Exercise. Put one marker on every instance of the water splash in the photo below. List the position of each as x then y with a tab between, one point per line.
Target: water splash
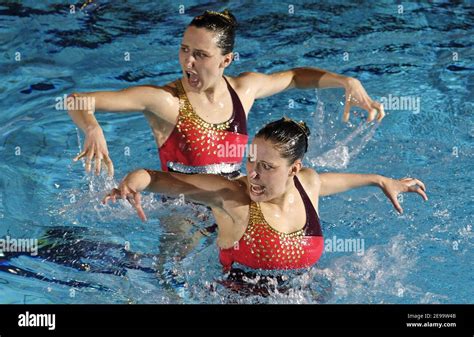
329	151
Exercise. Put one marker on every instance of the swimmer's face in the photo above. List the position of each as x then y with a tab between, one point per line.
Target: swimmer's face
201	59
268	174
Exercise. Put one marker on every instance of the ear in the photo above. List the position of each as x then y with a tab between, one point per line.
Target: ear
295	167
228	58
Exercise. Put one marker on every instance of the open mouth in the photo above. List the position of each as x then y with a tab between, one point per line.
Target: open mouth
193	78
257	190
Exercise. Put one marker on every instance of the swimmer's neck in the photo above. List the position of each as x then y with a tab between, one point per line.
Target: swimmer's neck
284	202
215	91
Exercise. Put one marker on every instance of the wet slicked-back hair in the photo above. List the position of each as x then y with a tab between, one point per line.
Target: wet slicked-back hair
223	24
290	138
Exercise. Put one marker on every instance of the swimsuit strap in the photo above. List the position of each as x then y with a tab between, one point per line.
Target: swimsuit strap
239	122
312	226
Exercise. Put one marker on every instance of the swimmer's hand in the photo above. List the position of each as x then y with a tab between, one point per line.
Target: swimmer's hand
95	147
356	96
392	188
130	189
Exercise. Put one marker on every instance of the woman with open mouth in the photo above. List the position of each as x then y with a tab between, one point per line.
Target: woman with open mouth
268	219
195	115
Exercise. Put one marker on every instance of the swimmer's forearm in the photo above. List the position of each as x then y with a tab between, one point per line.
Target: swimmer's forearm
332	183
304	78
203	188
84	105
84	118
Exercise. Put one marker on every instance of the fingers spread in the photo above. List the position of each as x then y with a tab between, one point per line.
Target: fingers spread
367	105
371	117
97	164
347	112
110	165
110	196
138	206
134	198
123	192
421	184
380	109
79	156
89	157
417	186
422	193
396	204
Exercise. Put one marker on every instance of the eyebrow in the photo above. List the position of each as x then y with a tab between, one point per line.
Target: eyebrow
201	50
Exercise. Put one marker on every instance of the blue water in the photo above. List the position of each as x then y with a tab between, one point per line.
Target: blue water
106	255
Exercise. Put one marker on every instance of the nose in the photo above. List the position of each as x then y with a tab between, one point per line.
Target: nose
189	62
253	174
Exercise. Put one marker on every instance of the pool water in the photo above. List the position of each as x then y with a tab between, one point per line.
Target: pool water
91	253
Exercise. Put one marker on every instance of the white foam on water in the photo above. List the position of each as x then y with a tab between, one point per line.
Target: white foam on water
336	152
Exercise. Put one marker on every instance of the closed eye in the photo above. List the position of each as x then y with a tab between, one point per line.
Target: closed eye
266	166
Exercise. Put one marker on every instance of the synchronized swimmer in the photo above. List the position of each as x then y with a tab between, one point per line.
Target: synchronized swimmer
269	218
191	116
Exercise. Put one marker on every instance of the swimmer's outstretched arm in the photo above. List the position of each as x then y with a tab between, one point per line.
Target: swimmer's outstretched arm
332	183
263	85
82	106
210	190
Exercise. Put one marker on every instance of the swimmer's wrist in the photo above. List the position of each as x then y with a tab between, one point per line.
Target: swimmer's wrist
347	81
92	128
378	180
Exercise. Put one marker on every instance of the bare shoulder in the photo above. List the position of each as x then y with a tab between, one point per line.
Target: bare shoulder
309	178
162	101
165	91
245	79
247	86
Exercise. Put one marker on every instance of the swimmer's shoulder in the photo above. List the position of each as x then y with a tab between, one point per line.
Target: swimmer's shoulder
309	178
161	100
244	86
167	90
242	81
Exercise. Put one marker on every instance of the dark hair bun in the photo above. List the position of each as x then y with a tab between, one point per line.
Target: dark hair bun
288	136
304	127
231	18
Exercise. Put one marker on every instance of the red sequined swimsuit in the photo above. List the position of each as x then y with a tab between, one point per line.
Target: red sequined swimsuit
262	247
196	146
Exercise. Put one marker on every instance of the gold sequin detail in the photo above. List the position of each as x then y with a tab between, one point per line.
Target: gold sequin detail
270	245
205	134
